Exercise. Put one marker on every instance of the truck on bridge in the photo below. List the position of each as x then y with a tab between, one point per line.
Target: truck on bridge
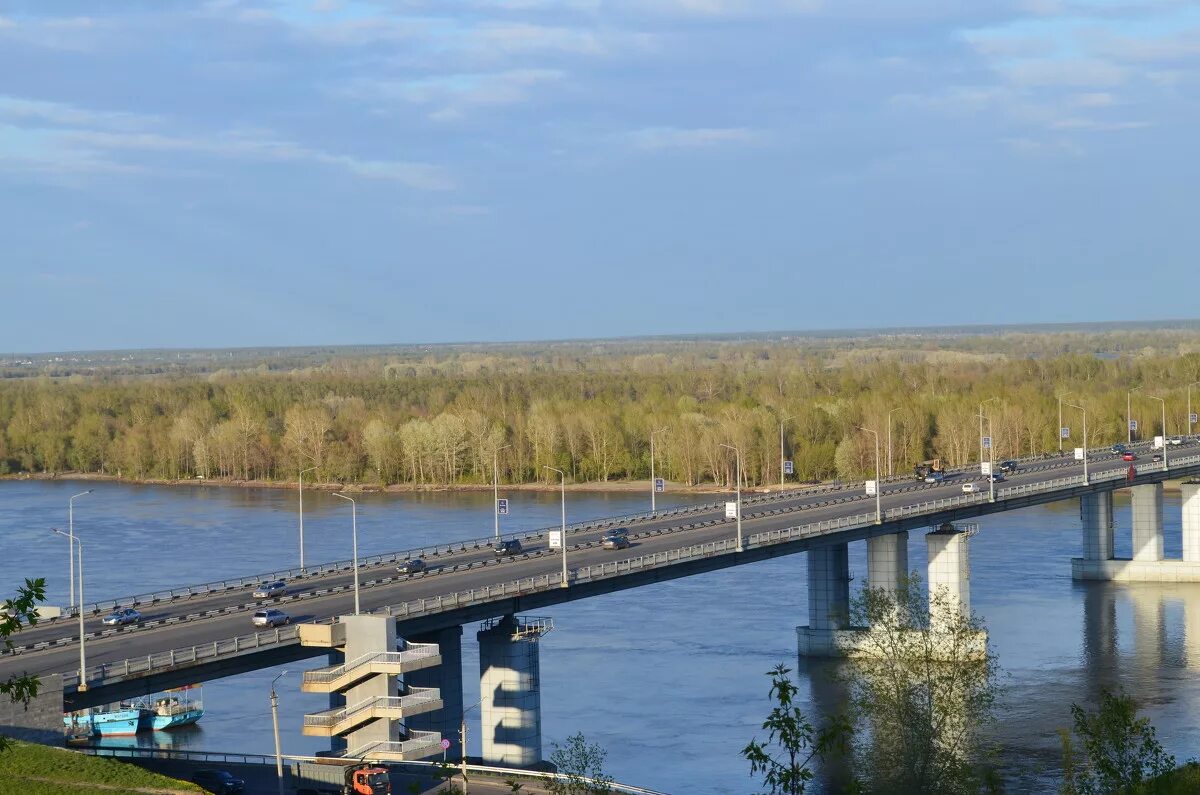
340	779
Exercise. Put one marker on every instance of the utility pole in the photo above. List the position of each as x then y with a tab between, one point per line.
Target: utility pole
496	487
275	725
781	453
302	471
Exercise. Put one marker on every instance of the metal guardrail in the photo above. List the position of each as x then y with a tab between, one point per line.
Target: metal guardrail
457	600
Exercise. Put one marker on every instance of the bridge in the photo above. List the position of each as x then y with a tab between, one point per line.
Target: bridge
202	632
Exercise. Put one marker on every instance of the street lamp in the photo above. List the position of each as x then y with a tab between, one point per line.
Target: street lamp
82	655
1164	428
1129	415
878	508
354	527
1189	391
653	481
781	454
1059	432
70	547
302	471
463	737
275	725
890	413
563	539
739	494
991	473
496	486
981	405
1085	441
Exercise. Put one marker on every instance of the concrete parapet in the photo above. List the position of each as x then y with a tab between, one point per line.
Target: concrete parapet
1147	522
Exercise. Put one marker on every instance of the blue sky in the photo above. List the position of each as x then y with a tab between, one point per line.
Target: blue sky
253	172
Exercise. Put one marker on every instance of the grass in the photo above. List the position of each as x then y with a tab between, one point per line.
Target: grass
1180	781
36	769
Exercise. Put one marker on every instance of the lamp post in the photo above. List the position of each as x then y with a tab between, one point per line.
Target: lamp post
878	507
1085	441
1058	431
71	546
82	653
1129	415
275	725
653	481
981	405
1189	391
496	486
890	413
563	480
991	473
354	529
1164	428
738	455
781	453
463	738
302	471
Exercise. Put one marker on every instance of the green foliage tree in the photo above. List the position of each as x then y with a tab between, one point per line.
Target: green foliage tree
580	765
924	684
1121	751
15	613
792	744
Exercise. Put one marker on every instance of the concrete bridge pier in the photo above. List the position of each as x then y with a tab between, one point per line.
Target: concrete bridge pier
448	679
1191	521
828	601
1147	563
1147	522
887	561
511	690
949	571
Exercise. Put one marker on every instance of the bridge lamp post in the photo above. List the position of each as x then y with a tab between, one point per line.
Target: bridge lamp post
1189	391
889	445
1128	415
1164	428
82	652
1058	431
1085	441
738	459
782	422
71	546
878	507
354	530
275	725
563	485
302	471
496	486
992	462
981	405
653	481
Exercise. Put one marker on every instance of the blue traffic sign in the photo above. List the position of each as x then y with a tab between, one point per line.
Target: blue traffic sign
660	485
987	443
502	506
1133	425
1064	432
789	468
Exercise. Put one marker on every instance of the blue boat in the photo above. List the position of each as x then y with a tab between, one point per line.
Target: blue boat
125	721
169	711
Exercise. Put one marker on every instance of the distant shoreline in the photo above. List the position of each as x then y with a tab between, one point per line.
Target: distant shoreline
613	486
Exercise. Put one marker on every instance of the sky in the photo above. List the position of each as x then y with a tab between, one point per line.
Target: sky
181	173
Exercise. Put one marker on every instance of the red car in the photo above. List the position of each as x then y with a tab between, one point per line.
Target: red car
1128	457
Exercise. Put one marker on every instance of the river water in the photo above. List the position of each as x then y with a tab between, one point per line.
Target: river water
668	678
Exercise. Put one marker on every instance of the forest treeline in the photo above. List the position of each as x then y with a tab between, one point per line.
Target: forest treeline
443	422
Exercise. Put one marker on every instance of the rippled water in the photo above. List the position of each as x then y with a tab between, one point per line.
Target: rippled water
668	678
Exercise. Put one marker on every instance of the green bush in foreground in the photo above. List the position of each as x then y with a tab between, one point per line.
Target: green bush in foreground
30	768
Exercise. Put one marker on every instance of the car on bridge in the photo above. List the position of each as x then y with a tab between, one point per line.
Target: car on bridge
936	476
997	478
505	548
1118	449
1175	440
122	616
613	541
1008	466
411	566
270	618
1156	458
1129	455
971	488
269	590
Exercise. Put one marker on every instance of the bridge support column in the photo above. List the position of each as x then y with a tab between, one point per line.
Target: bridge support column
368	634
1096	516
511	690
887	561
828	601
1191	522
1147	522
447	677
949	569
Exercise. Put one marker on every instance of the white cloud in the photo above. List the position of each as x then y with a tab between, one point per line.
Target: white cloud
454	96
18	109
660	138
1069	73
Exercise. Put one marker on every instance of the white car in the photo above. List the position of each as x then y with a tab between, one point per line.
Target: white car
122	616
1175	440
269	590
270	618
972	488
